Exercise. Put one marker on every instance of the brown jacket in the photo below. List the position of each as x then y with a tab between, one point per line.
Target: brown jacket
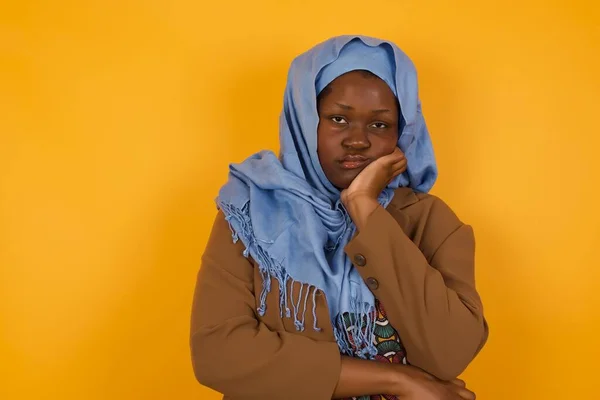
419	264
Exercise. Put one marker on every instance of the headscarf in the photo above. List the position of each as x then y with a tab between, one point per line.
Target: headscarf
290	217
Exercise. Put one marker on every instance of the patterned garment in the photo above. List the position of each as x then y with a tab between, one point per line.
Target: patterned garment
389	348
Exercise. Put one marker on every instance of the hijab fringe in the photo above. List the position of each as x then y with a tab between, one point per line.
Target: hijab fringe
354	331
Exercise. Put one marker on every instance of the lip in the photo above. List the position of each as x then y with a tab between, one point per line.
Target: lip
353	161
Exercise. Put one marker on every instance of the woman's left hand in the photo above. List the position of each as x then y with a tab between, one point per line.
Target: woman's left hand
360	198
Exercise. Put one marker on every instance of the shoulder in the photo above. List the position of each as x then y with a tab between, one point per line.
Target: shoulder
223	245
425	218
422	205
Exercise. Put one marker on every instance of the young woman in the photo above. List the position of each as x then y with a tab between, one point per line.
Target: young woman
329	272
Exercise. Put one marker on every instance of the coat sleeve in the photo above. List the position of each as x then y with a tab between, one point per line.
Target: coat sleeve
236	354
432	303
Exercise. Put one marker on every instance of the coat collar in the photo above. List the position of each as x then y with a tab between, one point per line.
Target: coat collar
404	197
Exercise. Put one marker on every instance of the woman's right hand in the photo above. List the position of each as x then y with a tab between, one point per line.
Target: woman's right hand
416	384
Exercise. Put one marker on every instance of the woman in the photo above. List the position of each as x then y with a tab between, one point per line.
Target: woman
330	273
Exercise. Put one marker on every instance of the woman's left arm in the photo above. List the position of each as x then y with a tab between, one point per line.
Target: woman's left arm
433	304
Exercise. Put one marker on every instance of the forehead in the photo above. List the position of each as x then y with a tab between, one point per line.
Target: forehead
359	87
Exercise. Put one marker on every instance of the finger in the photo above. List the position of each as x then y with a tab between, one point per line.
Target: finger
398	153
397	150
395	174
395	169
399	167
400	164
466	394
393	157
459	382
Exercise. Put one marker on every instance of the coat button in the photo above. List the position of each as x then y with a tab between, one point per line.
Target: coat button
372	283
360	260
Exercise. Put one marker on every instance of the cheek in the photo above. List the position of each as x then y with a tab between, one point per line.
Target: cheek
387	145
326	145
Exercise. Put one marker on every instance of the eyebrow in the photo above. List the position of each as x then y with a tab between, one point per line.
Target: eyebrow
381	110
347	107
344	106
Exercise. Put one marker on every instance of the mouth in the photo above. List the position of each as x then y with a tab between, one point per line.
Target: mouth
353	161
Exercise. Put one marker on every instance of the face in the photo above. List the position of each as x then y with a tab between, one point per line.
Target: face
358	123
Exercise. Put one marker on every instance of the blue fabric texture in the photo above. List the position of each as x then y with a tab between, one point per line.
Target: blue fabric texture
290	217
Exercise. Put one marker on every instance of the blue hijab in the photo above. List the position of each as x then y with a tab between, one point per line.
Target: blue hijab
290	217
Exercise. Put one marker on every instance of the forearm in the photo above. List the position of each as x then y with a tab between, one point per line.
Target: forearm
446	326
365	377
445	331
360	207
241	358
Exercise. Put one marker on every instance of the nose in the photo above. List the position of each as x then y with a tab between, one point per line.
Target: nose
357	139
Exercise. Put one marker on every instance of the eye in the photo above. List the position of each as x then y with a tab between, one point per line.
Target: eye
339	120
379	125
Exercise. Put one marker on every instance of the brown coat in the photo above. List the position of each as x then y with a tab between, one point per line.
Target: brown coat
419	264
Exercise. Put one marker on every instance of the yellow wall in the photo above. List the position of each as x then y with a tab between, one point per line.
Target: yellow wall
118	119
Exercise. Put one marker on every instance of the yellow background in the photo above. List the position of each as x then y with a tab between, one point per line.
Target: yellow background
118	120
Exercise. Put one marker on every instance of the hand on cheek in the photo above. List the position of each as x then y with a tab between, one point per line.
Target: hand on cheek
360	198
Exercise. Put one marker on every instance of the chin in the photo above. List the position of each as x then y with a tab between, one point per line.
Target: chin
342	184
342	179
